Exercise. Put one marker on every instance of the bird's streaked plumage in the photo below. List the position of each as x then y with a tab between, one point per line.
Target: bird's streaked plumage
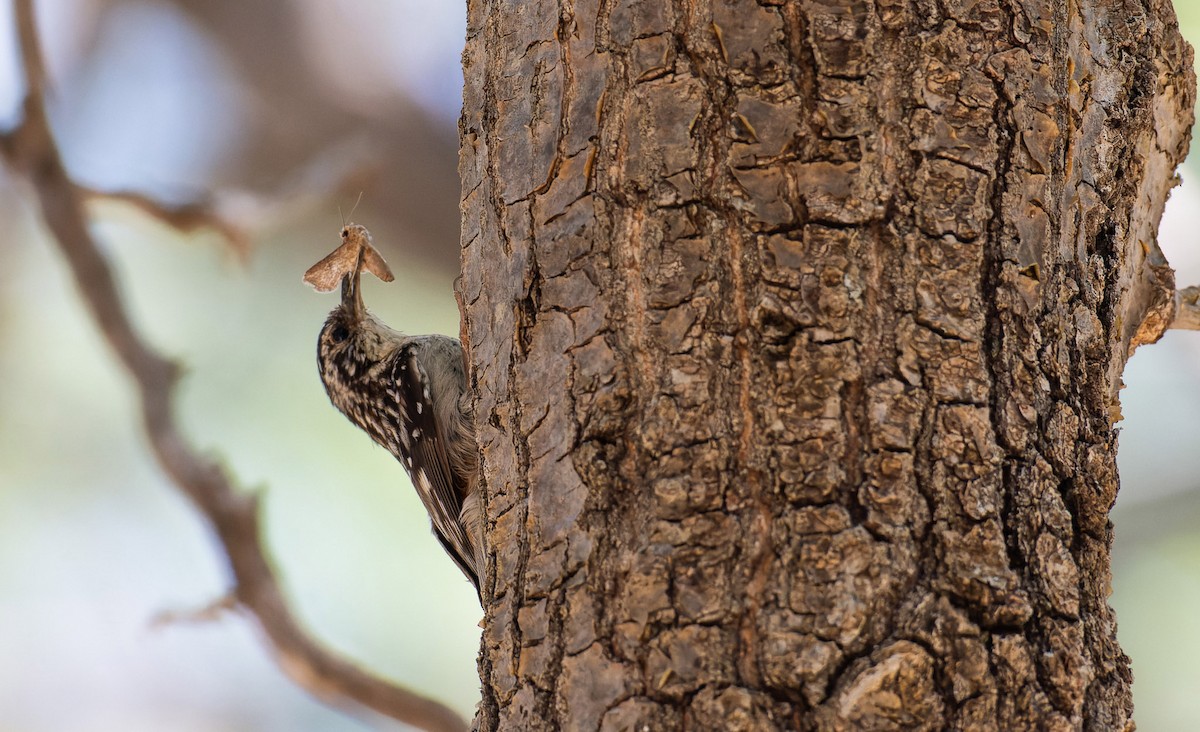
409	394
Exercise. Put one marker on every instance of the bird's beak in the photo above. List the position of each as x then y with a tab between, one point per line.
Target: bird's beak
352	291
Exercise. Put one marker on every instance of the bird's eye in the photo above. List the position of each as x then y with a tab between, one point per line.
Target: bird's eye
339	333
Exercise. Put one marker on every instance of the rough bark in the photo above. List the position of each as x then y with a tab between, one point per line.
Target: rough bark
797	330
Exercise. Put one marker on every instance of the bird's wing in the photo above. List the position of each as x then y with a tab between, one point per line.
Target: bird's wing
425	456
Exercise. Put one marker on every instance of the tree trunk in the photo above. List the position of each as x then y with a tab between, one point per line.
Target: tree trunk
797	330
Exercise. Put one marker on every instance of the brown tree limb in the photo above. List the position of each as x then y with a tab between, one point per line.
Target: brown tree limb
232	515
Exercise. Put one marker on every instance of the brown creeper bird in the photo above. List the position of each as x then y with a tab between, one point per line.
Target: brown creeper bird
407	392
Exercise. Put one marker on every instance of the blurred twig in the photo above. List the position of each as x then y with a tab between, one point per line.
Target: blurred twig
233	516
185	217
239	215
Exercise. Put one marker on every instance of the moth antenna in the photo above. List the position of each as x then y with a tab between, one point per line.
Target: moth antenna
358	201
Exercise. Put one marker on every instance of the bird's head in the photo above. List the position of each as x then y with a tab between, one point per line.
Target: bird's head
352	340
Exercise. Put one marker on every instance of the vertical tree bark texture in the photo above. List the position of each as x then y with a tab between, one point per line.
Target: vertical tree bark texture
797	330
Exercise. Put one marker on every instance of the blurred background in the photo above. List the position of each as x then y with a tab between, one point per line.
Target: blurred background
286	110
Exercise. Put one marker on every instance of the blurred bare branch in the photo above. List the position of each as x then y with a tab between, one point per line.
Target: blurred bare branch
30	149
185	217
240	215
